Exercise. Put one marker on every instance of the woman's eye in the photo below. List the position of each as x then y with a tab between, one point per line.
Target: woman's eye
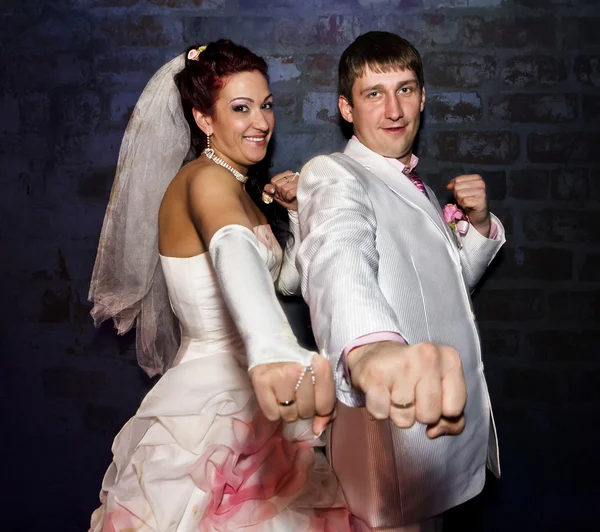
240	108
268	105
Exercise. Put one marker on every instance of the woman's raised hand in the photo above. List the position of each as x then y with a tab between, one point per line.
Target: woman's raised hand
282	189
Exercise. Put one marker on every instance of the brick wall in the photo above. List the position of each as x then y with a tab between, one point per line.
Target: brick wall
512	91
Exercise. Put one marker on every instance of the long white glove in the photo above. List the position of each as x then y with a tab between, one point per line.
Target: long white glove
249	293
288	282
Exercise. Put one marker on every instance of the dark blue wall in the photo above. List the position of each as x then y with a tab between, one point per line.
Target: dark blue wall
513	94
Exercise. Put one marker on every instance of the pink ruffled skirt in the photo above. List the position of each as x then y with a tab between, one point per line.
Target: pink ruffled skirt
200	456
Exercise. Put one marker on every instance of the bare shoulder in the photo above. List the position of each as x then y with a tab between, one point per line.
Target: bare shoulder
215	197
205	178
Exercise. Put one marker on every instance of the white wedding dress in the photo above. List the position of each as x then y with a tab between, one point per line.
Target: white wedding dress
199	455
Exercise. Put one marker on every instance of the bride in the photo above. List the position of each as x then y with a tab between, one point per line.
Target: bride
225	440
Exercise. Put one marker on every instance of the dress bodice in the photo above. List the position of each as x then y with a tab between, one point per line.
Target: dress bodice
206	326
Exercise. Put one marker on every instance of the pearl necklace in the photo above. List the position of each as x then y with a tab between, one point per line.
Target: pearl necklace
210	153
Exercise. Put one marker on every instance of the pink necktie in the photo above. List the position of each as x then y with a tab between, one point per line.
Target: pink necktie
414	177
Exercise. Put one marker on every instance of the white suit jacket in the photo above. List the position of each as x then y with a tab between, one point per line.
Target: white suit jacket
376	256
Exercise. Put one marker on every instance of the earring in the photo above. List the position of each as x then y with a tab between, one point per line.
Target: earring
208	151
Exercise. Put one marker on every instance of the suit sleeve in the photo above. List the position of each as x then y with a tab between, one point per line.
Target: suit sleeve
338	263
478	251
288	281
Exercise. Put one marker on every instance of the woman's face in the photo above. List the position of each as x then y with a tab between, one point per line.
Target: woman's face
243	120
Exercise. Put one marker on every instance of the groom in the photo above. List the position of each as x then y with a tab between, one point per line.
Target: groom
388	283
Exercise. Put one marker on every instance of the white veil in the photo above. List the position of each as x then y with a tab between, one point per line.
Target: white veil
128	284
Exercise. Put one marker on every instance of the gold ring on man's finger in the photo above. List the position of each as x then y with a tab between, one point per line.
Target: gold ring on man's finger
403	406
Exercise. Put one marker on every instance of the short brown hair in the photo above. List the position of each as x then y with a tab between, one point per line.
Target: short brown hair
380	51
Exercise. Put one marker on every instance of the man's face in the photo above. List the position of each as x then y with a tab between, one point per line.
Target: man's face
386	112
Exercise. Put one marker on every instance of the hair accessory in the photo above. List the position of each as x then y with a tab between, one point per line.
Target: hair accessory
195	52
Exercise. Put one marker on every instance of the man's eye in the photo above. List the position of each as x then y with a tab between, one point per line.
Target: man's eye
373	94
406	90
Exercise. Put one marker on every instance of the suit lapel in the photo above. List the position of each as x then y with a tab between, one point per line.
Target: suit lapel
400	184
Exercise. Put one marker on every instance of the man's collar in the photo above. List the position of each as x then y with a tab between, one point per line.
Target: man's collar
405	169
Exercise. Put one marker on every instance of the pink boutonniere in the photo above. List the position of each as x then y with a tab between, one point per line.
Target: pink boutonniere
457	220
